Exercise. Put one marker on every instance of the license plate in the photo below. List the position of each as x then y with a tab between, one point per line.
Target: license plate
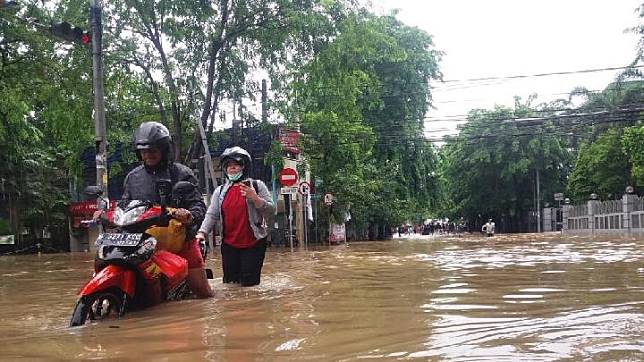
119	239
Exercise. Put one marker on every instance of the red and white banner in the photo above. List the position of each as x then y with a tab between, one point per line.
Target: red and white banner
337	233
289	139
85	208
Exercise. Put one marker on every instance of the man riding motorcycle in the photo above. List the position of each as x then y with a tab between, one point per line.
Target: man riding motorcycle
152	144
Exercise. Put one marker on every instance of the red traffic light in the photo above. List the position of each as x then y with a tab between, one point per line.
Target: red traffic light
70	33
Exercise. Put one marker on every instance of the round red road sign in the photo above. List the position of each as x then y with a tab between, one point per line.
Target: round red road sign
288	176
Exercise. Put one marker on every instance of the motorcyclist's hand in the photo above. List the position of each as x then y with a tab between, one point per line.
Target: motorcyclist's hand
183	216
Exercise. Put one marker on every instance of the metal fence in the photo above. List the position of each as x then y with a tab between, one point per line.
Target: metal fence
625	216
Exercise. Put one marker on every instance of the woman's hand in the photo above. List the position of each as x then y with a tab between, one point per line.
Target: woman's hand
250	194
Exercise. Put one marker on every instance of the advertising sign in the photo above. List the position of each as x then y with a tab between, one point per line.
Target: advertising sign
289	139
337	233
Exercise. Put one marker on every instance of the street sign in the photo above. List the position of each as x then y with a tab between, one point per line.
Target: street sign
304	188
559	196
288	176
288	190
328	199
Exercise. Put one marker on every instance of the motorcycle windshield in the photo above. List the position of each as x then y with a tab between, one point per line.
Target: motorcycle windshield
128	215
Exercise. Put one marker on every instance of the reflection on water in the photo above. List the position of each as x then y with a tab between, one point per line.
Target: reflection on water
512	297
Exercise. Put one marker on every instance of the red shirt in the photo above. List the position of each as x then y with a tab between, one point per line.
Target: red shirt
237	230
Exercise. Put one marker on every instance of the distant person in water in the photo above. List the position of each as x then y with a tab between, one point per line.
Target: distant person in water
488	228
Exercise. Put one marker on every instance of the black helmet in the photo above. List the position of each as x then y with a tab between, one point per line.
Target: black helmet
240	155
150	134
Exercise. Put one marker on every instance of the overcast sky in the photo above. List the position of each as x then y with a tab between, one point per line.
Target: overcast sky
497	38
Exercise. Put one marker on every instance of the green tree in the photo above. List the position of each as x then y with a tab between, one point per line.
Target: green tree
633	148
490	168
207	52
44	113
608	159
361	102
602	168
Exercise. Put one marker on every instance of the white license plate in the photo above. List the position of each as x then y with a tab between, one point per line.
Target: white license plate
119	239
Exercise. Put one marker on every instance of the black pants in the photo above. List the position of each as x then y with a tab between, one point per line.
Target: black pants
243	265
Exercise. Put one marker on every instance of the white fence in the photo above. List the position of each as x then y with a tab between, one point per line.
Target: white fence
625	216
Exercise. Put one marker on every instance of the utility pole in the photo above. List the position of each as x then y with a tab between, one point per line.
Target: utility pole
538	204
95	15
273	178
264	120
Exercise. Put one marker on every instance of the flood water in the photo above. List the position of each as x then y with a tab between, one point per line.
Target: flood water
507	298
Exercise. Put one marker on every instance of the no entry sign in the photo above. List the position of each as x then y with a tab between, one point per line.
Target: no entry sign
288	176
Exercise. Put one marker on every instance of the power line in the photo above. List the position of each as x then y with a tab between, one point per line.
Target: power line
520	76
393	139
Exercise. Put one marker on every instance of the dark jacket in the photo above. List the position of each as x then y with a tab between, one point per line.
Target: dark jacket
140	184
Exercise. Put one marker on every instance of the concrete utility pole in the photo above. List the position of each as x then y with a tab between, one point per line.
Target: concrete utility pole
264	120
95	15
538	203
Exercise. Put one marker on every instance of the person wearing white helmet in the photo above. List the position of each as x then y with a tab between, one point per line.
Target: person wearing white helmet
242	206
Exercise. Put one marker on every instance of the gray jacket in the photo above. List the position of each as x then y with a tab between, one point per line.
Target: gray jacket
256	216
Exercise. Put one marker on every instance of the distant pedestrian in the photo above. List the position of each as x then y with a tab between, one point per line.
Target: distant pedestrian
488	228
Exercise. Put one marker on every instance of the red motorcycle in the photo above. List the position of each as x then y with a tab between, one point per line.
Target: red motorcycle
132	269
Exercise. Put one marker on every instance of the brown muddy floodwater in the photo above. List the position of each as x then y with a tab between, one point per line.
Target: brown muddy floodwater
507	298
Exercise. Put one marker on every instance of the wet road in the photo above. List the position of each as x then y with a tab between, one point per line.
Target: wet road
509	298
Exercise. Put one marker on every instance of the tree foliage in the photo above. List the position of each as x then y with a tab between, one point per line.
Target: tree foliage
45	116
633	148
610	158
361	102
491	167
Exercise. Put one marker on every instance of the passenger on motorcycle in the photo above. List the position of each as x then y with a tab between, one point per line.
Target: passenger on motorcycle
152	144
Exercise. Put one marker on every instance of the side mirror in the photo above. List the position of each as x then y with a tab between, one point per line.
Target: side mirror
93	191
164	187
183	189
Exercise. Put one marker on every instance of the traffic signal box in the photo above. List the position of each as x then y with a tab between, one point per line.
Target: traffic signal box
8	4
70	33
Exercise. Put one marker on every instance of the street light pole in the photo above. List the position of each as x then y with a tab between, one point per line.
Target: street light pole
99	103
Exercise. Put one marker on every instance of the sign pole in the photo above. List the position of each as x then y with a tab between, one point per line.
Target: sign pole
288	177
304	207
317	215
287	200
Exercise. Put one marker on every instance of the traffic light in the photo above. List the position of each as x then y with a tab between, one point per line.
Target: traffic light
70	33
8	4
